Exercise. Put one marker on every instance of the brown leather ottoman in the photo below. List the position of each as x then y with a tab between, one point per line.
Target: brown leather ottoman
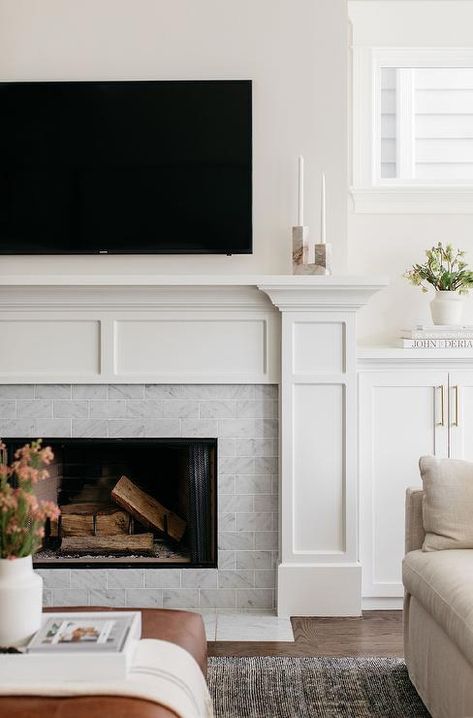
180	627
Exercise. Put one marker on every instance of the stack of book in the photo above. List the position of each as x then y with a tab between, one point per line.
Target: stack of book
437	337
76	647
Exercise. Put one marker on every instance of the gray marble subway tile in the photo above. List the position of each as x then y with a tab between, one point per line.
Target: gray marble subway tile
253	484
17	427
181	598
217	598
266	540
266	502
163	578
226	484
126	391
17	391
218	409
233	540
256	521
95	392
266	428
70	409
258	560
237	428
89	428
204	428
266	465
199	578
126	428
125	578
54	427
218	392
236	579
226	522
107	597
200	392
275	521
163	391
226	561
143	428
55	577
7	409
53	391
232	503
180	409
162	428
237	465
257	409
47	598
275	485
265	579
255	598
144	598
266	391
237	392
256	447
38	409
226	447
107	409
90	579
70	597
150	408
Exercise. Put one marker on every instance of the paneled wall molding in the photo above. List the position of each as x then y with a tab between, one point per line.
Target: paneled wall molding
225	330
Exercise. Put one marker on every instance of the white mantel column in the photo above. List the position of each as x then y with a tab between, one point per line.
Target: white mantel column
319	572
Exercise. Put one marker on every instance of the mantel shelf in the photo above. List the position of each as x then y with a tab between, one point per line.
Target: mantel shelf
190	280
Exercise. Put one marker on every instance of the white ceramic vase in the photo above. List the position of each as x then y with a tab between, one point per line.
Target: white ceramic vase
447	308
21	598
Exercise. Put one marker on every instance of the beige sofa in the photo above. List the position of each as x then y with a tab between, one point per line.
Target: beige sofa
438	619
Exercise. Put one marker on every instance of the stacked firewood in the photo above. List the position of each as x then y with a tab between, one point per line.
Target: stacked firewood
98	528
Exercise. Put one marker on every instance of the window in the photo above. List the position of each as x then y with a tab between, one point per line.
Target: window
426	124
413	130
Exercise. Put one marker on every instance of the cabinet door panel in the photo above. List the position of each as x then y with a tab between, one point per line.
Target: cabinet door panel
461	415
400	420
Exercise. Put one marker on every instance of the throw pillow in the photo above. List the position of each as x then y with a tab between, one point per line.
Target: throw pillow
447	503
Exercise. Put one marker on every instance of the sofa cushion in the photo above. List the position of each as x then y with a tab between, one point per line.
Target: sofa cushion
447	504
442	581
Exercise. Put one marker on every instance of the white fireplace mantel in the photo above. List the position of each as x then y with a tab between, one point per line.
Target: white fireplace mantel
298	332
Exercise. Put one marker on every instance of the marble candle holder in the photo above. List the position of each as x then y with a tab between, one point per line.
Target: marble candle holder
302	262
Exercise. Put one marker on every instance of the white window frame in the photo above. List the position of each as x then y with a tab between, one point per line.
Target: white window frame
370	193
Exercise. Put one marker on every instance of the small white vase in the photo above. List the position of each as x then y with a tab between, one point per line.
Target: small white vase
21	598
447	308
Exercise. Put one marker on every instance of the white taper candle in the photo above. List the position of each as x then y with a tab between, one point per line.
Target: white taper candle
300	196
323	220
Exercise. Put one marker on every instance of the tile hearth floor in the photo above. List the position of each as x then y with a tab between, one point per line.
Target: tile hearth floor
255	626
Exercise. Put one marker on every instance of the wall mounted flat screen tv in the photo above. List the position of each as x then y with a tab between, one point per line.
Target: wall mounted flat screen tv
126	167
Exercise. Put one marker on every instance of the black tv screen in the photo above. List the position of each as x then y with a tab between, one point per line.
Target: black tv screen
126	167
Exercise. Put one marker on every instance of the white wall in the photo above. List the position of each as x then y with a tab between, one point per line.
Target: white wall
293	50
388	244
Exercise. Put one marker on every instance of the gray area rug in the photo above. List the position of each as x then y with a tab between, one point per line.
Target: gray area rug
280	687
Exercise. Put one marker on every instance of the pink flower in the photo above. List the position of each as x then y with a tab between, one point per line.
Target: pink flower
23	515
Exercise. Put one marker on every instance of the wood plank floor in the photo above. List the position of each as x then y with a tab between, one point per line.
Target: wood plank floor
376	633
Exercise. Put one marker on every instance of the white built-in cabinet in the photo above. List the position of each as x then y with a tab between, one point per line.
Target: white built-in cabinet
406	411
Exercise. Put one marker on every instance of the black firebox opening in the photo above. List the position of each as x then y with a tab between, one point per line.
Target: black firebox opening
130	501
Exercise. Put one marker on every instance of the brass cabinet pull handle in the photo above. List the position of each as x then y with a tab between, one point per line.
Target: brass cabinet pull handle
456	422
442	405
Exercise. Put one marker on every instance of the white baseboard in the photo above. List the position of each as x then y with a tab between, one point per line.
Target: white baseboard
319	589
381	604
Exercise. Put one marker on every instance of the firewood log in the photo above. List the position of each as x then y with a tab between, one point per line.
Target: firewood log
93	520
136	543
147	510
